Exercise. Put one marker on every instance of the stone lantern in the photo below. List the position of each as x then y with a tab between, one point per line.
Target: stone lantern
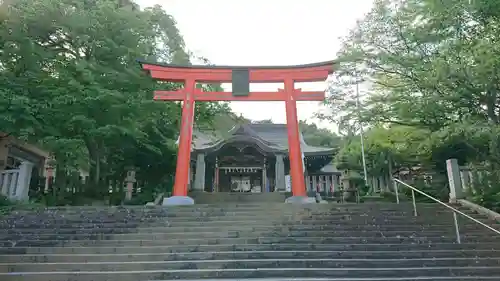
129	183
349	190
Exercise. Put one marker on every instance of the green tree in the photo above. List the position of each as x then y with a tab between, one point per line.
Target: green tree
318	136
428	67
69	80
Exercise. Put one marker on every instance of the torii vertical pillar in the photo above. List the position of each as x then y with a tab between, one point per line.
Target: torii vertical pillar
240	77
295	154
182	176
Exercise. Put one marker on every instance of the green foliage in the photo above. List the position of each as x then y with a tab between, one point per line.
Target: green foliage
4	201
427	73
398	144
485	188
318	136
7	206
69	80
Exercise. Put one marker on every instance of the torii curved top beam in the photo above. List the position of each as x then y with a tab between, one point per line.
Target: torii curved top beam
313	72
329	64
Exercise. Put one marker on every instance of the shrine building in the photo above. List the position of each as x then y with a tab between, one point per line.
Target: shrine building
254	158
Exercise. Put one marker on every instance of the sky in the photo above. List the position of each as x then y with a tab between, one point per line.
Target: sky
266	32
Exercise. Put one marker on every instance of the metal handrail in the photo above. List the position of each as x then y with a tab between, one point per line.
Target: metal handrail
455	211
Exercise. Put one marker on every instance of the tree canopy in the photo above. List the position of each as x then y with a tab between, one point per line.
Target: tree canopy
428	76
70	81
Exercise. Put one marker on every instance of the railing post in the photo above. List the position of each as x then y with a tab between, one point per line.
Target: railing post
457	230
396	190
414	203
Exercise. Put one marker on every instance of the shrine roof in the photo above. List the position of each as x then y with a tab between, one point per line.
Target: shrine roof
252	67
273	137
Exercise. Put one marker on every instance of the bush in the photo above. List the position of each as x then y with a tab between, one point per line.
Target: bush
485	189
5	202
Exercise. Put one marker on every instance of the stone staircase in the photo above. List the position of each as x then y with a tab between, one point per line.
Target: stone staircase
237	197
258	241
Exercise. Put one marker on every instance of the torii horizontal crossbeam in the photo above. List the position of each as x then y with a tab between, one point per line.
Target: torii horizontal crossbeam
228	96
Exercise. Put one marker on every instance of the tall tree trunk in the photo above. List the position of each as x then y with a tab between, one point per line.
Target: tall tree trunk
95	156
491	105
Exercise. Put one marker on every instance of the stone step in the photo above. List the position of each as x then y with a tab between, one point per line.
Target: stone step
229	216
314	245
118	217
240	197
425	278
318	263
187	212
294	272
108	218
270	232
225	223
367	204
254	227
369	239
232	206
229	255
278	213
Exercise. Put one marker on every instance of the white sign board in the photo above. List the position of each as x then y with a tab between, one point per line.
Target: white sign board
288	183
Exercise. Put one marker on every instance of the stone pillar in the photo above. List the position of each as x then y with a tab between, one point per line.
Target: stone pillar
199	177
383	183
280	173
465	178
215	188
190	178
456	190
130	181
345	182
390	179
9	183
23	184
333	183
315	184
373	188
328	185
264	177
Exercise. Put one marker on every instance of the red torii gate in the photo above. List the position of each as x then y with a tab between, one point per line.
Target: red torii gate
240	77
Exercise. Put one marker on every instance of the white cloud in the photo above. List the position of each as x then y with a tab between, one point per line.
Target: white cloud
265	32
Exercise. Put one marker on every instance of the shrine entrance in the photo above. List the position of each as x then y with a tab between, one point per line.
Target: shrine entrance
241	167
241	180
240	77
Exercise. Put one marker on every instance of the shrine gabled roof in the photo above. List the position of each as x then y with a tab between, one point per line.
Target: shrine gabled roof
277	134
273	137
